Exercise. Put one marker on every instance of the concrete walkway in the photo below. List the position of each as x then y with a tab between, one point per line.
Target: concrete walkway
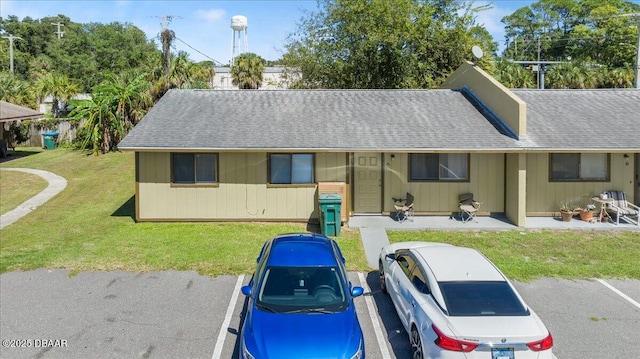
373	239
56	185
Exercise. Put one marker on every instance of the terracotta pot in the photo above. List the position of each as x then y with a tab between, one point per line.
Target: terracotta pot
586	215
566	216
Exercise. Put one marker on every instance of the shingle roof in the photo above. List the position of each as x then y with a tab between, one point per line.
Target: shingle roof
585	119
12	112
384	120
315	120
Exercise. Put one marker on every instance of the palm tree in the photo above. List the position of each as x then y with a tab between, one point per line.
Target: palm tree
571	76
59	87
513	75
15	90
115	107
247	71
167	37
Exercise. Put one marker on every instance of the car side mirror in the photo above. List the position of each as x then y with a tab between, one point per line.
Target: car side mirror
357	291
246	290
391	256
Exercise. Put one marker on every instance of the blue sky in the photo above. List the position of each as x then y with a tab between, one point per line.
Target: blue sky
203	27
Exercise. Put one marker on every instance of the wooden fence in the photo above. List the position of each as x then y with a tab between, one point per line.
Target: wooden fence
66	133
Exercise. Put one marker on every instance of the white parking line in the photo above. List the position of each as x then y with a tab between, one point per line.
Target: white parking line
217	351
615	290
382	343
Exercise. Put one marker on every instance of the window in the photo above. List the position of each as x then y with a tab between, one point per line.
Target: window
579	167
469	299
286	168
406	263
418	279
192	168
439	166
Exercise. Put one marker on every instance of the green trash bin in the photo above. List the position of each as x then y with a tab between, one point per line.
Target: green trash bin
49	140
330	205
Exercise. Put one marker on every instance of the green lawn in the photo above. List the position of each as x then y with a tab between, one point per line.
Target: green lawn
17	187
90	226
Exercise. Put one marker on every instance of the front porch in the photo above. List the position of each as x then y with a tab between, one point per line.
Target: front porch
493	223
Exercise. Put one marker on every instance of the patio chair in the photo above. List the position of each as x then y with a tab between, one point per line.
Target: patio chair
468	207
404	208
622	209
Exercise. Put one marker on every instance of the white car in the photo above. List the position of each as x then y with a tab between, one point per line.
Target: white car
455	303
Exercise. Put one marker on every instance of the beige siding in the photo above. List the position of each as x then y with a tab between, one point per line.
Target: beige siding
544	197
515	188
486	183
506	105
242	194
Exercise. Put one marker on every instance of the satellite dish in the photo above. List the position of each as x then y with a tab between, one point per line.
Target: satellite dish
477	51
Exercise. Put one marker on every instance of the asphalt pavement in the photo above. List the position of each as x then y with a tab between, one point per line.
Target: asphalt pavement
173	314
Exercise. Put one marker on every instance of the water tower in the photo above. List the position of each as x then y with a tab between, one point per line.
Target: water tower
239	36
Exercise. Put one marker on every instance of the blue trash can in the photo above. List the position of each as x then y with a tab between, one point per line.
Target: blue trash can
50	140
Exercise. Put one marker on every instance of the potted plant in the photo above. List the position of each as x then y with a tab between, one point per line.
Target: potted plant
586	213
567	210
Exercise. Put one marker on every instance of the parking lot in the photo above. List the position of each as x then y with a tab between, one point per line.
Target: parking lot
172	314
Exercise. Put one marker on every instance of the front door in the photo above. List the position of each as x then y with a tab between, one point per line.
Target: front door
367	183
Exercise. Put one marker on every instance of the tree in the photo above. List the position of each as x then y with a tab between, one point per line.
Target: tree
514	75
183	73
570	75
60	88
16	90
85	54
382	43
592	33
167	37
247	71
115	107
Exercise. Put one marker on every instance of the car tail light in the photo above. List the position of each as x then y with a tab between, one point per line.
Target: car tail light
543	344
447	343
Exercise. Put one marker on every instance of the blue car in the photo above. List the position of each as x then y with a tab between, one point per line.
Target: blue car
300	302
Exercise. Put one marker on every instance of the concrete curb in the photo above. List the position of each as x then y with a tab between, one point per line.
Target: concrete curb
56	185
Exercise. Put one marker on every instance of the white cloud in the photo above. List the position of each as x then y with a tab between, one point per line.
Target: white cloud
213	15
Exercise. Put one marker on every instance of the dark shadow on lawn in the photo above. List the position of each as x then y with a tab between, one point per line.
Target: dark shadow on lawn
128	209
14	155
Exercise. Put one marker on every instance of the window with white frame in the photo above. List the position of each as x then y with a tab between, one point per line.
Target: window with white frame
579	167
439	166
291	168
194	168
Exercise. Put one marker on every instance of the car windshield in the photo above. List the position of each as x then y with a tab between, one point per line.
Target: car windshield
302	290
471	299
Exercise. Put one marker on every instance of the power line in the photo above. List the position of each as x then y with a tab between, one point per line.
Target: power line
200	52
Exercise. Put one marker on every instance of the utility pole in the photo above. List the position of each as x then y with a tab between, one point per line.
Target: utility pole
540	69
59	33
166	36
166	19
11	38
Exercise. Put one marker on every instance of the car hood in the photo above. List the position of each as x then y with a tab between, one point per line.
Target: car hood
495	329
317	335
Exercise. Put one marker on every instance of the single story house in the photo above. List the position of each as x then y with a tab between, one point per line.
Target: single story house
259	155
10	112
